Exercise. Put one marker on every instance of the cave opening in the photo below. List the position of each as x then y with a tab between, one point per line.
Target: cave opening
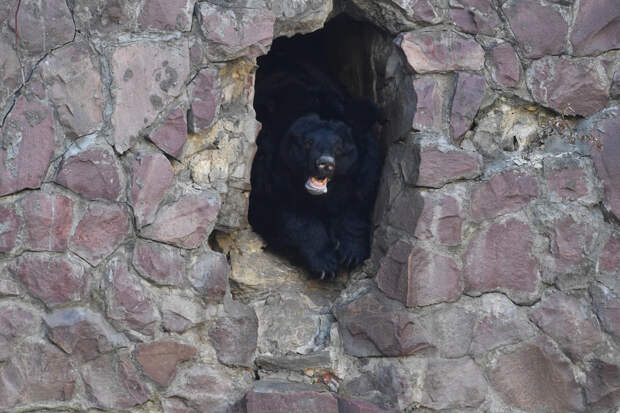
335	73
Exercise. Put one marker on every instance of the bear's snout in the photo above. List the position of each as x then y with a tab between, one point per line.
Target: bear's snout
326	165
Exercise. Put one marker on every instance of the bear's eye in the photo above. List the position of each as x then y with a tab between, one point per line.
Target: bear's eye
308	144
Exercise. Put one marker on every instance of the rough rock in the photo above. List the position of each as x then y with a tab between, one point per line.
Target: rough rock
146	77
254	269
441	219
281	397
171	135
449	329
432	92
374	326
234	334
508	191
232	31
299	17
48	221
539	29
607	308
28	145
74	85
393	274
9	288
430	51
105	16
175	405
158	263
603	386
82	333
112	382
166	15
186	222
208	273
500	323
607	161
16	323
439	166
609	261
10	224
569	322
346	405
299	321
596	28
405	211
505	66
468	95
569	86
159	360
205	100
475	16
151	176
505	128
94	173
614	90
400	167
417	277
398	16
535	377
36	372
499	258
49	25
433	279
127	300
101	229
569	241
53	279
211	388
568	179
10	73
180	313
384	385
450	384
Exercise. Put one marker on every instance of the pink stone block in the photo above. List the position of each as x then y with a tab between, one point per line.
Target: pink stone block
49	221
10	223
499	258
29	132
185	223
439	166
94	173
505	65
151	176
100	231
172	134
441	51
578	87
539	29
55	280
505	192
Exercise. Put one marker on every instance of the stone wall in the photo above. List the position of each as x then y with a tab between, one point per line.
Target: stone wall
129	280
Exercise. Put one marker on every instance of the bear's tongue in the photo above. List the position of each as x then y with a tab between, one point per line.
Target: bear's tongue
316	186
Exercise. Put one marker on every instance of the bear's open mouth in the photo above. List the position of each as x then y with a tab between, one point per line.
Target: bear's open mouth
316	186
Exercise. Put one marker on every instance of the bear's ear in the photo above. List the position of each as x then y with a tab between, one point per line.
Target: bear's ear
360	113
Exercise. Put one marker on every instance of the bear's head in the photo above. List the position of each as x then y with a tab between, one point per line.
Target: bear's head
316	151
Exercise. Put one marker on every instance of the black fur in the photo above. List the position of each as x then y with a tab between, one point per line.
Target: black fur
304	120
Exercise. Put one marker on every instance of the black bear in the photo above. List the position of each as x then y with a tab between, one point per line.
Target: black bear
316	170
